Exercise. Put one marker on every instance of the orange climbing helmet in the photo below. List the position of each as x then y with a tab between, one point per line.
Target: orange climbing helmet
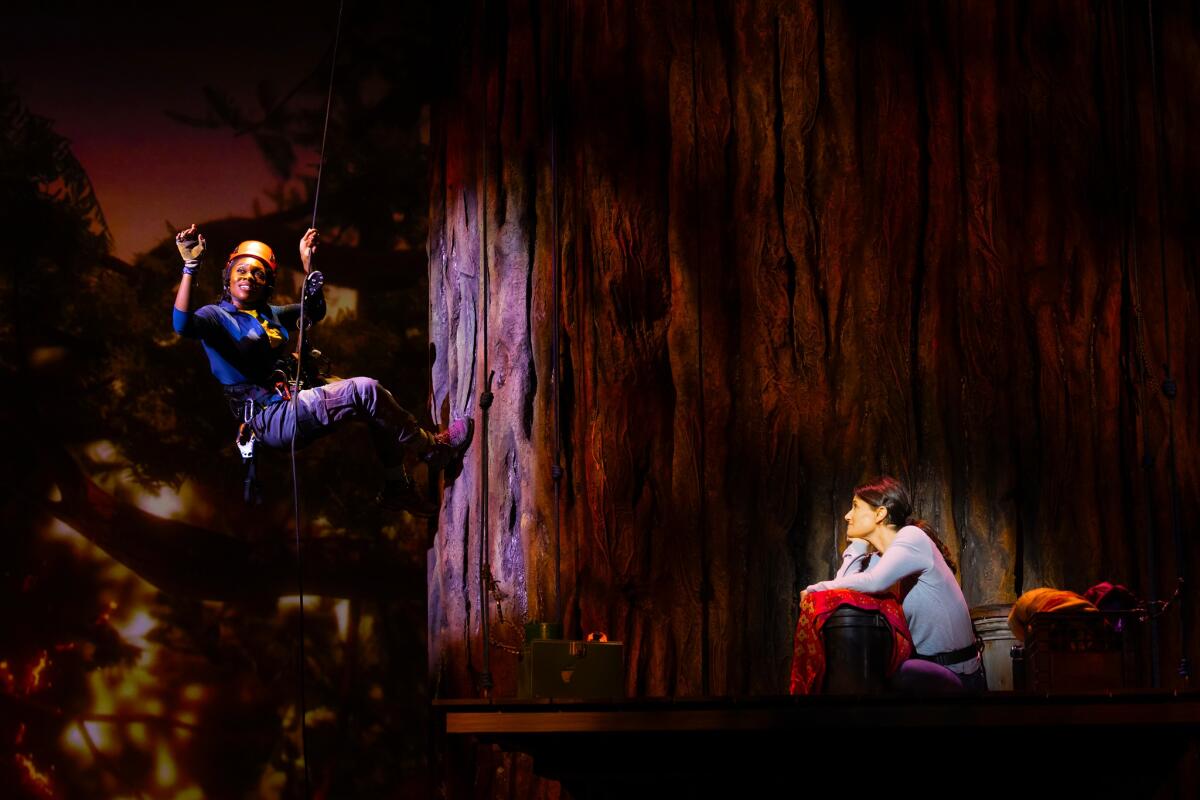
255	249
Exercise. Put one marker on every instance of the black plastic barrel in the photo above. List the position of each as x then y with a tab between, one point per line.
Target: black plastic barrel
858	645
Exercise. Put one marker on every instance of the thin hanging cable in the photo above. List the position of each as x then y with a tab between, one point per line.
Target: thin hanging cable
1169	388
337	36
1142	368
556	470
485	396
705	572
578	170
295	399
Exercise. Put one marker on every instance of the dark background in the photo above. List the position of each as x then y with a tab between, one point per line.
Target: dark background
801	244
150	624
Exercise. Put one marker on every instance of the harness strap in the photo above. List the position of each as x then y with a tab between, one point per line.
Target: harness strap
245	444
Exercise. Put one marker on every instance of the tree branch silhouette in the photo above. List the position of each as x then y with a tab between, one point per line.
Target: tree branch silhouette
192	561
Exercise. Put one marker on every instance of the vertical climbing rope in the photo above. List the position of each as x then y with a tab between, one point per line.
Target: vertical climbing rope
485	396
301	325
1169	387
697	194
1143	365
556	470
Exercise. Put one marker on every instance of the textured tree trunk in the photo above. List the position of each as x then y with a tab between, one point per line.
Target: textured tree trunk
802	244
190	561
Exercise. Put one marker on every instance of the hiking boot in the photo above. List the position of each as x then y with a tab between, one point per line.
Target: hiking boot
400	494
450	444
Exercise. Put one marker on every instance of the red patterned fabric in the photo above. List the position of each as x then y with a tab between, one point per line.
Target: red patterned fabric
808	651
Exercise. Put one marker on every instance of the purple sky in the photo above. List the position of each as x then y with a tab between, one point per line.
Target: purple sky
105	81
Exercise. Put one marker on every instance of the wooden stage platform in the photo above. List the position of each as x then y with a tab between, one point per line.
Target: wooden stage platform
1140	744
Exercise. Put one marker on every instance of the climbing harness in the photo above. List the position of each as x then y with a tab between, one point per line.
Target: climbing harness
309	371
245	445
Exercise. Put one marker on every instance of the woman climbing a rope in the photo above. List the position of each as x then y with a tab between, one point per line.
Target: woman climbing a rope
245	336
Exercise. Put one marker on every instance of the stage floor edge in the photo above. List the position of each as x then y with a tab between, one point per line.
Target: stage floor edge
1134	744
663	715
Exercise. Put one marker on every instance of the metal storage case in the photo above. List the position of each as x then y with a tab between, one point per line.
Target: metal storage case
1076	652
572	668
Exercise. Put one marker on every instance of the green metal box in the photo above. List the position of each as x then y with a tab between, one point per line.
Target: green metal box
571	668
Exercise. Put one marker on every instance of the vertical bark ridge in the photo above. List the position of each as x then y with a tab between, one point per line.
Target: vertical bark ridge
803	243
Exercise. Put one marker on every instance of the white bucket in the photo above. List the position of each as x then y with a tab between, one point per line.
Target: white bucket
991	625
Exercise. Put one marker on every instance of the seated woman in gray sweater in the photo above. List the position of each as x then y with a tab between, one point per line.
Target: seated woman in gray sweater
888	549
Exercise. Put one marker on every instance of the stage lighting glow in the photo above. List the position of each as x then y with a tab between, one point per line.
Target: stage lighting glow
36	781
164	766
341	610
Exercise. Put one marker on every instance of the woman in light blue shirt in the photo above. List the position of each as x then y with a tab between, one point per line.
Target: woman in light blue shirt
889	550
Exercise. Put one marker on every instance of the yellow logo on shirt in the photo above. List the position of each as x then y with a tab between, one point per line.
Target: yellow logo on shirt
274	335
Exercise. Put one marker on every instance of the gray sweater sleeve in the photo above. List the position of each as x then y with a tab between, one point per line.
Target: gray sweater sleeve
908	555
856	552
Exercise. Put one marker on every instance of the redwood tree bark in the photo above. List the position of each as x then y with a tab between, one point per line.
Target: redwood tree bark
802	244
